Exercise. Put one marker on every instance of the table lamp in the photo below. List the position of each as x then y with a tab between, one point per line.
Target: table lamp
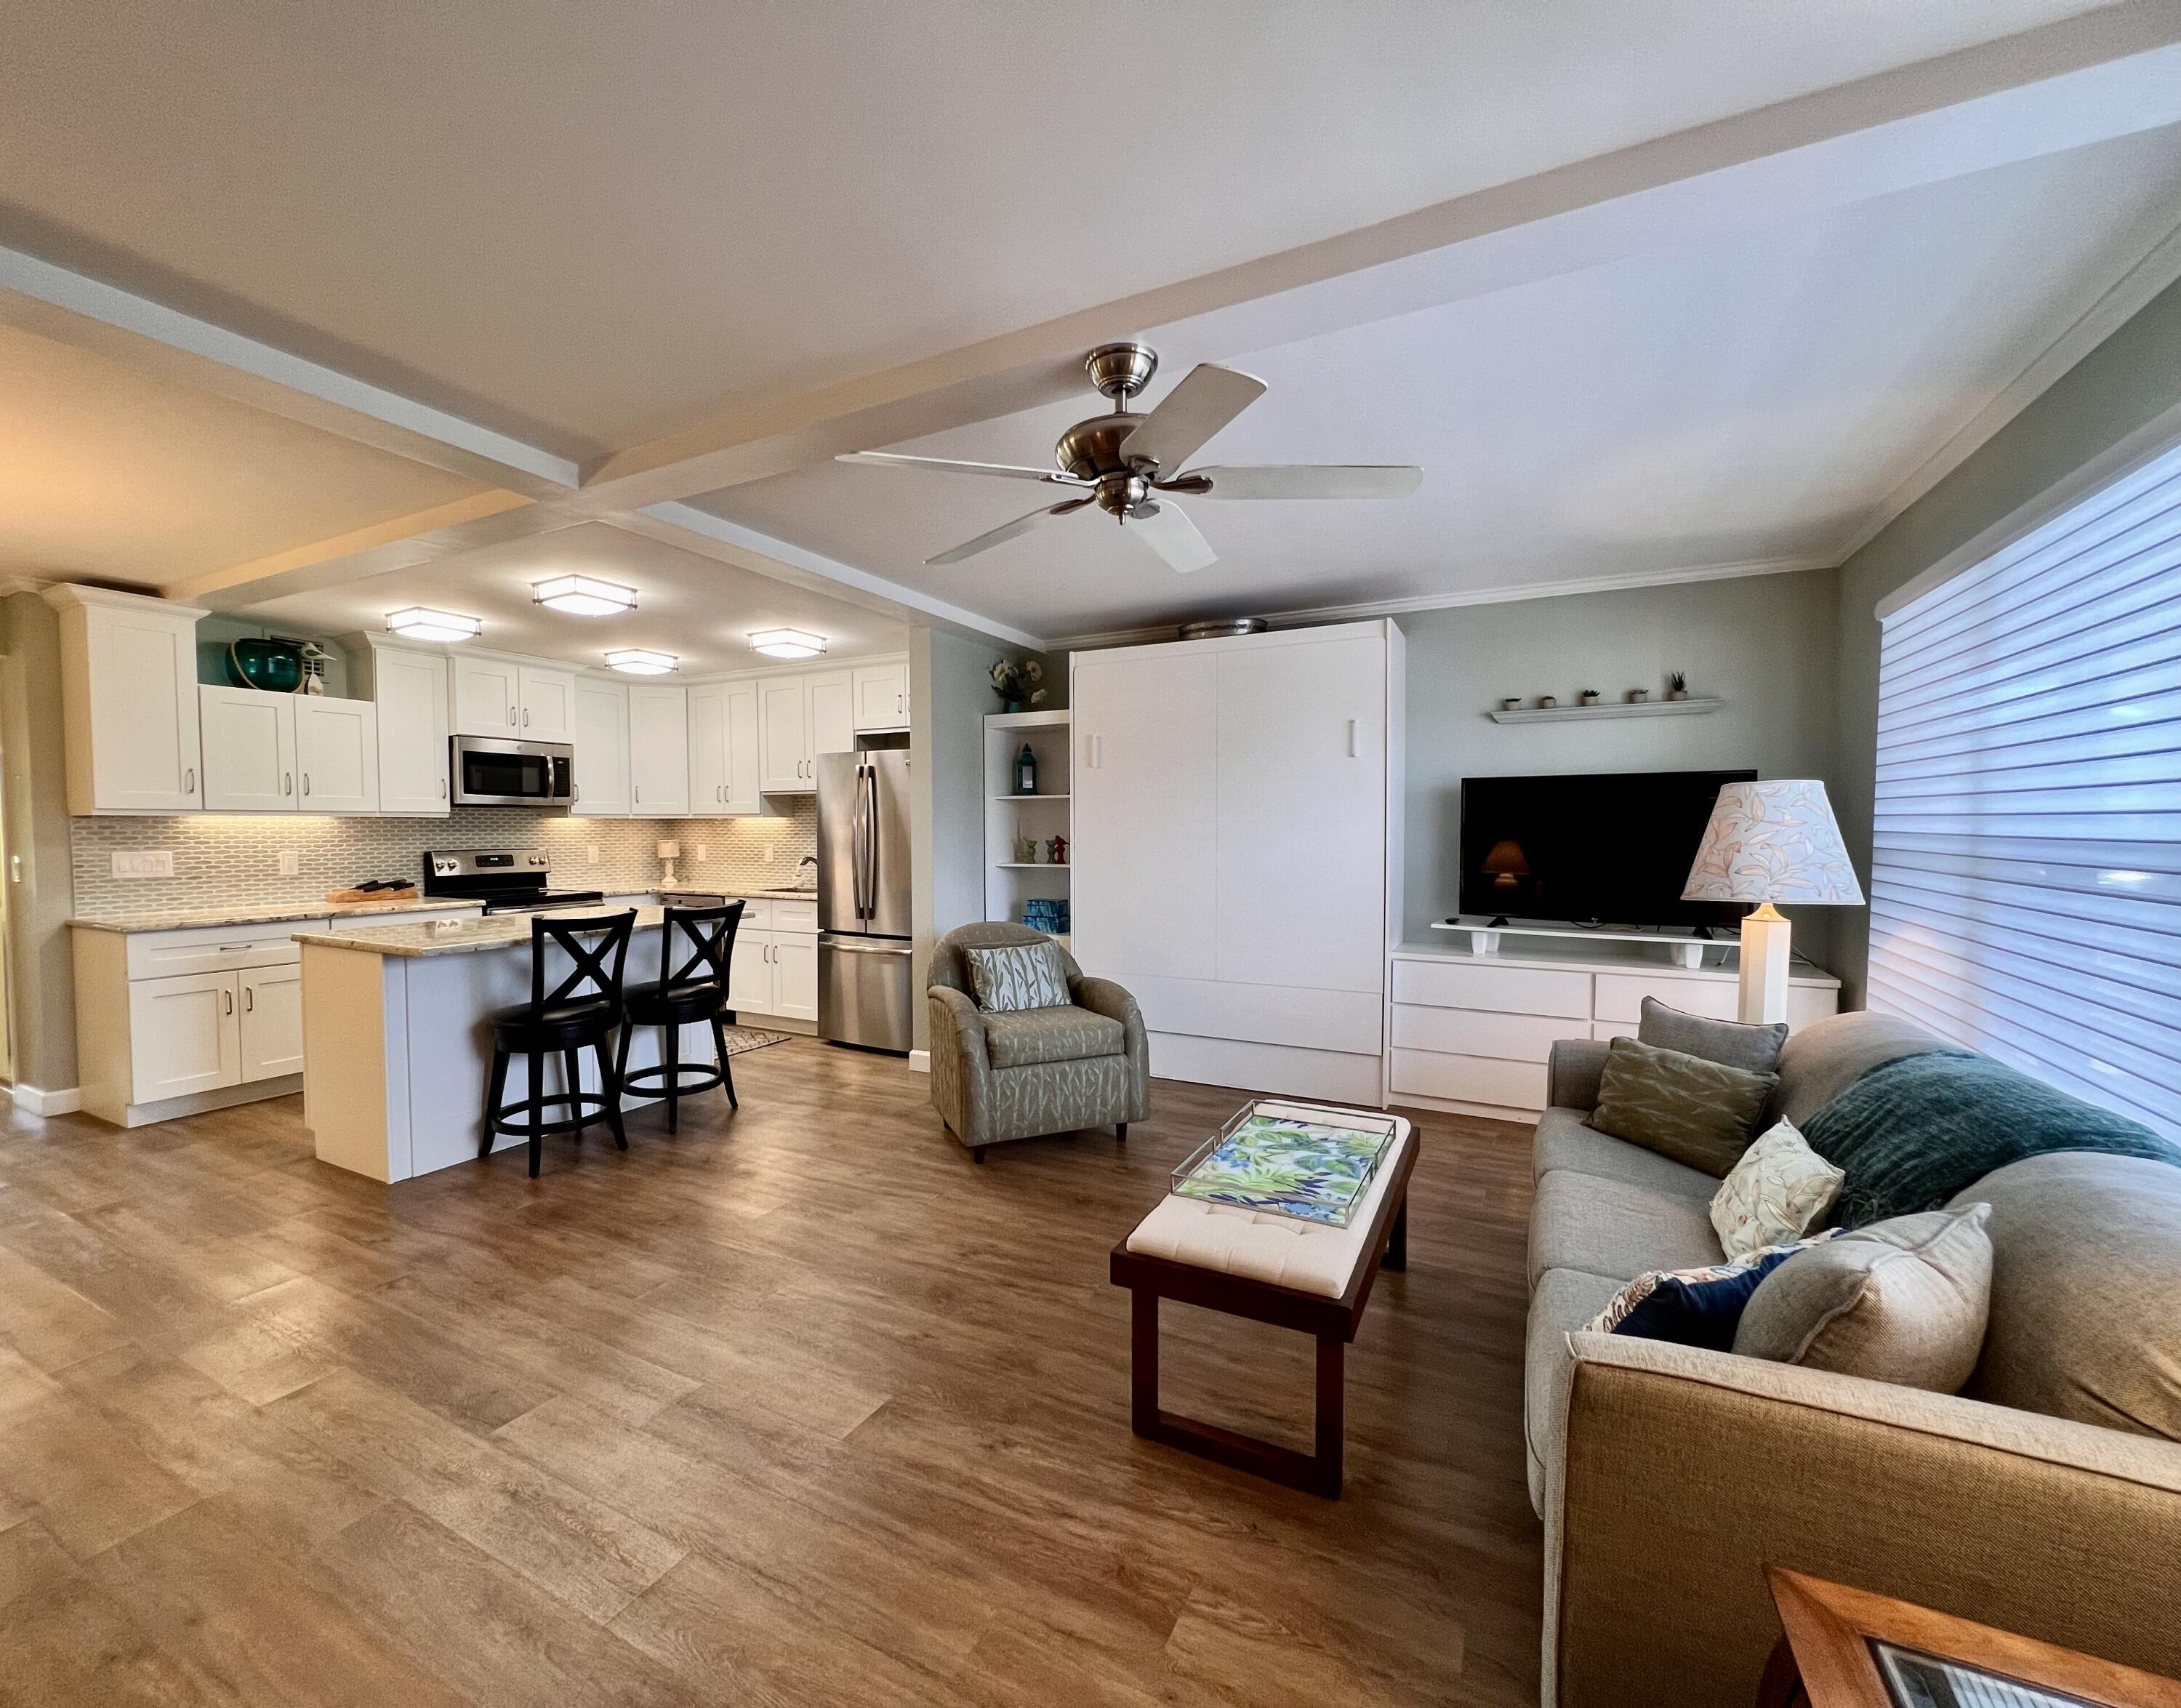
1770	843
669	851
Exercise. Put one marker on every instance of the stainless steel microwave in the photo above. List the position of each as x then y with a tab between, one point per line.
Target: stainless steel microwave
490	770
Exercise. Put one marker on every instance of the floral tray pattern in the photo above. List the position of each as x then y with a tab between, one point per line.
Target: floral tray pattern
1289	1160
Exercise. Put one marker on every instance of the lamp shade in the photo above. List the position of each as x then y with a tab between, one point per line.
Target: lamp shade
1773	842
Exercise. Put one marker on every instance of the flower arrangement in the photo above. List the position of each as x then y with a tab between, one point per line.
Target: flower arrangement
1018	684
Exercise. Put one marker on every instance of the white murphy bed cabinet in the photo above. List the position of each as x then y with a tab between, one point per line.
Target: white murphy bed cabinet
129	702
1237	856
1470	1033
171	1023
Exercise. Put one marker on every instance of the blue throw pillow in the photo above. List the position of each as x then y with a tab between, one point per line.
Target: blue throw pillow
1693	1308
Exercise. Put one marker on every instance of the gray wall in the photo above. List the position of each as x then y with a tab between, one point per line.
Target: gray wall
1763	643
2120	388
41	976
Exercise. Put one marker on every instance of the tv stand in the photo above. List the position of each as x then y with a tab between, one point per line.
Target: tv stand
1686	951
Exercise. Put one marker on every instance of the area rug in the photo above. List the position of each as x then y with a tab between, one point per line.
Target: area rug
742	1039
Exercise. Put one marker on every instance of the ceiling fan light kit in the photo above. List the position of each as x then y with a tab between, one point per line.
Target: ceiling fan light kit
788	642
1121	461
421	622
583	595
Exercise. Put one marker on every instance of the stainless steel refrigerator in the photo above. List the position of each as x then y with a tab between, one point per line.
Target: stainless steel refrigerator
864	995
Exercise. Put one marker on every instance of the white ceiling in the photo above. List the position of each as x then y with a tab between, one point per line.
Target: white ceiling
701	611
585	224
1758	398
109	472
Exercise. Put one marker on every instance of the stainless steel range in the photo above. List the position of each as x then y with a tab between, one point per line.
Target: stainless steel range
507	881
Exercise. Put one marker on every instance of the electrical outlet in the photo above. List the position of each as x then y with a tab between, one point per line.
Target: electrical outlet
292	863
768	855
703	850
590	853
146	863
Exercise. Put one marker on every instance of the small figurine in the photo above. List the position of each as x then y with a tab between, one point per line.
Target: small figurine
1058	850
1026	850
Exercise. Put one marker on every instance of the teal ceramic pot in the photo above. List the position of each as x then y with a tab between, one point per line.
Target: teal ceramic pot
275	666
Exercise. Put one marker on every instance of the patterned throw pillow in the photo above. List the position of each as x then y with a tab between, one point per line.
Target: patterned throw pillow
1020	976
1693	1308
1697	1112
1779	1188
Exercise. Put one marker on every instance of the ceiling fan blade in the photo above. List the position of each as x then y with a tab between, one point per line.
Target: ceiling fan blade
1004	532
1301	480
1173	536
887	459
1205	401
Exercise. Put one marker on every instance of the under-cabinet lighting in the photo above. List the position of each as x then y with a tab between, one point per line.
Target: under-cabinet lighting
787	643
583	595
421	622
636	661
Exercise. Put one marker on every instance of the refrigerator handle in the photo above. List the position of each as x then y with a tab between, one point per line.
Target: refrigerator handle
871	841
858	829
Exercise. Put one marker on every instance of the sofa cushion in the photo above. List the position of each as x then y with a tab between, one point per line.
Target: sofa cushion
1778	1191
1009	978
1563	1142
1901	1301
1691	1307
1612	1228
1825	1058
2085	1291
1034	1036
1699	1113
1753	1049
1563	1301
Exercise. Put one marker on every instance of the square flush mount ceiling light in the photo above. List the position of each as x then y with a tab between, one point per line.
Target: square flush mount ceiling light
421	622
582	596
635	661
787	643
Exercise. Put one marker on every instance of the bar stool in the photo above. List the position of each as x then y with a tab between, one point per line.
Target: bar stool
696	991
579	1013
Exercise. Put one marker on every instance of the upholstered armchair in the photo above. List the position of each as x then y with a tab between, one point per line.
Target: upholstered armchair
1001	1076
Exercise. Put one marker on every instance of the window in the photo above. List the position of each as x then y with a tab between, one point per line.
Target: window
2026	861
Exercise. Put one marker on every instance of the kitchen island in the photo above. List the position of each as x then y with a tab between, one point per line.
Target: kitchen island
397	1043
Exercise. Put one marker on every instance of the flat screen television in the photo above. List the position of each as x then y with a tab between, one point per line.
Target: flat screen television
1612	849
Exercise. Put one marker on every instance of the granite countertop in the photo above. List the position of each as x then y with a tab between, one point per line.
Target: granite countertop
455	936
261	913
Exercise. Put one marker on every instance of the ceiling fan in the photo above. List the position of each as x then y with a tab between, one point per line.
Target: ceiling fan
1119	460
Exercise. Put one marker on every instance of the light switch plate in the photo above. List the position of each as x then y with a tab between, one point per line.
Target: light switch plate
768	853
292	863
145	863
703	850
591	854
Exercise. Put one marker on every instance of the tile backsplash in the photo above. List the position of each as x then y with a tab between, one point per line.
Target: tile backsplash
222	858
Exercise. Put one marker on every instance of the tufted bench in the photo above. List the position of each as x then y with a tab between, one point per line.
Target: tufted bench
1273	1269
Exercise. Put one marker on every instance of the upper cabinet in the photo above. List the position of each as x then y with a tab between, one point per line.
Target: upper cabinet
409	686
798	718
129	702
881	695
832	713
743	766
724	749
547	699
602	753
288	752
495	695
659	751
336	754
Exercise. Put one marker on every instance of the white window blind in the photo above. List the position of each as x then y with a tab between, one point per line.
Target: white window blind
2025	891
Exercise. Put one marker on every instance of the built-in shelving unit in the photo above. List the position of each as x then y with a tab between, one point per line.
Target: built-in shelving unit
1573	714
1010	817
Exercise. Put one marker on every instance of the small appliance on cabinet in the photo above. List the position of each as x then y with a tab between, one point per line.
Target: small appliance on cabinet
864	907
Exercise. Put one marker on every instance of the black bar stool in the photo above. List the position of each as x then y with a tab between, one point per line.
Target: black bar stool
697	990
579	1013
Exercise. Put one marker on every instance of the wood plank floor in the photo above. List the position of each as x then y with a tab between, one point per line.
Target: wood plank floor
795	1408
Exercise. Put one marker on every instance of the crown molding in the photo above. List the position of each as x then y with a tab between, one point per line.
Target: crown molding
1315	616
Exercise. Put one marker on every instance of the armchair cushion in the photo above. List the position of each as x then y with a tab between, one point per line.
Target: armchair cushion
1012	978
1028	1036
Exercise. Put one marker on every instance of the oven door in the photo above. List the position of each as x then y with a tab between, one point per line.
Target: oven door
490	772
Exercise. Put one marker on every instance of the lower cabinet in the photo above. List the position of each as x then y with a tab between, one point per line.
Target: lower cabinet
205	1031
775	969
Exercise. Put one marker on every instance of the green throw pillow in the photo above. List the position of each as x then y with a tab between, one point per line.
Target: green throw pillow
1697	1112
1018	976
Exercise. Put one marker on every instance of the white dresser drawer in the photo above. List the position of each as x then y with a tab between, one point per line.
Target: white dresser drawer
1621	996
795	916
1501	989
1469	1080
216	949
1473	1033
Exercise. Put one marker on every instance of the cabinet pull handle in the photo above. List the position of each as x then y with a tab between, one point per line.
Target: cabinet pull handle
190	781
306	782
287	782
228	996
526	717
443	788
1353	731
250	999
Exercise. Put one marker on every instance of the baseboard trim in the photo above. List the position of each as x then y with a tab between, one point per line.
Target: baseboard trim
919	1061
33	1101
1455	1106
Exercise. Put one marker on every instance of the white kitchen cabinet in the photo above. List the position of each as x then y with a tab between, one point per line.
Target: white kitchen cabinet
784	736
129	702
336	753
488	694
750	976
409	687
249	742
659	751
271	1021
546	699
832	713
881	693
742	759
183	1036
795	976
708	750
602	753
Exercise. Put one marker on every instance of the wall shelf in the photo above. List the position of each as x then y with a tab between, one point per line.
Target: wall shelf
1570	714
1010	884
1030	797
1033	865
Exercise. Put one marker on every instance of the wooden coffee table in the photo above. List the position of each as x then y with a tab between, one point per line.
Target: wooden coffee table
1331	1318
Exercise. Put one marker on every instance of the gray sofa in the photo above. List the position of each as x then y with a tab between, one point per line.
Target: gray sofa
2045	1499
1001	1076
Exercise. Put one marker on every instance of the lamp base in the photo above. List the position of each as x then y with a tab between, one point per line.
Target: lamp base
1766	940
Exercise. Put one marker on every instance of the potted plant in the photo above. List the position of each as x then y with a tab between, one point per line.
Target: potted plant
1546	702
1018	685
1677	686
1587	697
1512	703
1639	696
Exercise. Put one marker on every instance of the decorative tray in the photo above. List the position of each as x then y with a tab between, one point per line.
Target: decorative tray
1289	1160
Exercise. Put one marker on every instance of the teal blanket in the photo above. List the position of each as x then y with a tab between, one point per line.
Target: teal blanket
1912	1132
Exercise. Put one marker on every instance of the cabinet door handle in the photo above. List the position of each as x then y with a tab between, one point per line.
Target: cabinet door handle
250	999
901	703
228	996
306	782
526	717
1354	732
287	782
443	788
510	717
190	781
